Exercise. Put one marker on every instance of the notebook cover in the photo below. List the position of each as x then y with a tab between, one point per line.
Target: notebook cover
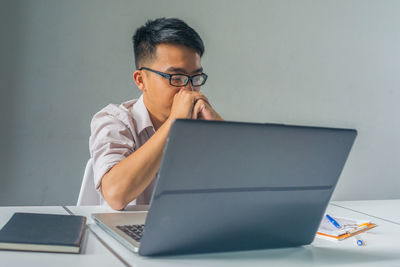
43	229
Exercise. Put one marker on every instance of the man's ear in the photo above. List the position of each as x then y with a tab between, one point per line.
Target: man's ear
139	80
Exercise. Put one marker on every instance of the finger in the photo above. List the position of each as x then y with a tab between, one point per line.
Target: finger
195	113
194	96
199	109
196	110
201	98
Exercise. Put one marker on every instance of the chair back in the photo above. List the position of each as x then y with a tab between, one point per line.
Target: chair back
88	194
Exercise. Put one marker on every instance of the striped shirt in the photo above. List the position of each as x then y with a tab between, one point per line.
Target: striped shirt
116	132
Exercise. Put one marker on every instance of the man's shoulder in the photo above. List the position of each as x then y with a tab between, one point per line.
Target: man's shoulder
117	112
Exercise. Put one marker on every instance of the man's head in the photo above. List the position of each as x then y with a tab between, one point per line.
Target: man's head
166	45
163	31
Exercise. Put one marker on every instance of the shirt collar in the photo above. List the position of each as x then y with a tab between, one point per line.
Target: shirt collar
141	115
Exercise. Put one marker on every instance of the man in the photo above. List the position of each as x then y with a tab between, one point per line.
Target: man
127	141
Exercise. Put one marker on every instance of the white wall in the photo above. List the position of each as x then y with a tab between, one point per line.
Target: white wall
330	63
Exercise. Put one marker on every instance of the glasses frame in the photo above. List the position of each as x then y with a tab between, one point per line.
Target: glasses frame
170	76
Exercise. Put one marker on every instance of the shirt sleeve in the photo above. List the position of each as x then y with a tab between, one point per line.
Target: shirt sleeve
110	141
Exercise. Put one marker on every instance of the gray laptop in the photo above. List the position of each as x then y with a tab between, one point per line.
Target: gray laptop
226	186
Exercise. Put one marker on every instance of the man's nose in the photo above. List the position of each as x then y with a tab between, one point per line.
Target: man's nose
189	86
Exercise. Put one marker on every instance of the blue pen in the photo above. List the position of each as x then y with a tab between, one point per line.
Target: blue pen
333	221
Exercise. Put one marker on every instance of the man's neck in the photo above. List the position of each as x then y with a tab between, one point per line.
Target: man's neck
157	121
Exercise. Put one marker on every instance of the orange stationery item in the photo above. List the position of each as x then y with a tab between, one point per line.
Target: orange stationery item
349	227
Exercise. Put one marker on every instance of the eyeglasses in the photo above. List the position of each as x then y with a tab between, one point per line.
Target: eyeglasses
179	80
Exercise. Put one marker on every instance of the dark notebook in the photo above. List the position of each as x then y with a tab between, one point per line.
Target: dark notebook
43	232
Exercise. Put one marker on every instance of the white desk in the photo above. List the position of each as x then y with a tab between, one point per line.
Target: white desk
93	253
386	209
99	249
383	248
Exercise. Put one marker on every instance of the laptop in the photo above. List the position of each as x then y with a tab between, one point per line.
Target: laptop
227	186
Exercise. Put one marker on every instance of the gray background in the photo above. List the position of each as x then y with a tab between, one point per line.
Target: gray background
330	63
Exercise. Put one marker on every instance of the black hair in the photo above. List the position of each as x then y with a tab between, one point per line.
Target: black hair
164	31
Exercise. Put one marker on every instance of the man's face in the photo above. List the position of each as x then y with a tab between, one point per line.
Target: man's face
172	59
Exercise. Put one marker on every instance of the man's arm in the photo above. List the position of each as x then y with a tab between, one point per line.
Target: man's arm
130	177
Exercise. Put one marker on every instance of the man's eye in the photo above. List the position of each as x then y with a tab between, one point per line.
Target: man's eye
178	79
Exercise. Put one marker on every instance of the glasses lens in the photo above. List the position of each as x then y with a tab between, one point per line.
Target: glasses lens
179	80
199	79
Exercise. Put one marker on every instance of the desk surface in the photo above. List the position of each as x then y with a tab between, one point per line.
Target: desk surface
382	248
385	209
99	249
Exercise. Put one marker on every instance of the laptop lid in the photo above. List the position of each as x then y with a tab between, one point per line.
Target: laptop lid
225	186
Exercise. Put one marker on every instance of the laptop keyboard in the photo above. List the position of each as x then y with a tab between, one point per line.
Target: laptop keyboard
134	231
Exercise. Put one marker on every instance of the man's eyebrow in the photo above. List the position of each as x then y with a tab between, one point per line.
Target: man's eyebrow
180	70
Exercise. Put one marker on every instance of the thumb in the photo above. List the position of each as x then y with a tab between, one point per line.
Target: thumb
195	111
